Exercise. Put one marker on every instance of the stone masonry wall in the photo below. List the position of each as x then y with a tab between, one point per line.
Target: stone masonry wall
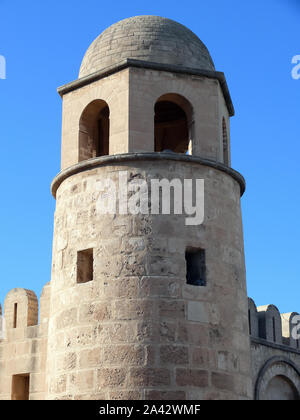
275	352
269	361
131	95
23	350
138	330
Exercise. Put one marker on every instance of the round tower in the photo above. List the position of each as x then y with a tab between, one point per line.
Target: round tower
145	304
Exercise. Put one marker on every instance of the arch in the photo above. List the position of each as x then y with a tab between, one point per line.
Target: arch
20	308
281	388
253	318
94	130
173	124
225	143
270	326
287	376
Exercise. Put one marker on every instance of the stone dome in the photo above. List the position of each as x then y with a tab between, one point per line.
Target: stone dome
148	38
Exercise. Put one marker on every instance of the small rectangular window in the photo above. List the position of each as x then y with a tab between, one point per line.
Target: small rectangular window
195	267
274	330
85	266
249	322
15	315
20	387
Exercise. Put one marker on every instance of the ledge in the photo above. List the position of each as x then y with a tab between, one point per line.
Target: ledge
277	346
150	156
130	62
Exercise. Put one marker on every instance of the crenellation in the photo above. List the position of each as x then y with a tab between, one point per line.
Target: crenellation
290	322
266	322
20	308
145	306
23	348
45	304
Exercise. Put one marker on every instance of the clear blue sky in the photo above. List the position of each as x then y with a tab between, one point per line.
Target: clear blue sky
252	42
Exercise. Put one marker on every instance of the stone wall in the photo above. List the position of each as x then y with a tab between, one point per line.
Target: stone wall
23	349
131	95
275	353
138	330
114	90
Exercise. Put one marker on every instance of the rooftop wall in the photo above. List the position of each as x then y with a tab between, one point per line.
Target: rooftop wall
266	323
23	344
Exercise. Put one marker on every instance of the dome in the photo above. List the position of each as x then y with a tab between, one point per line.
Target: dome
147	38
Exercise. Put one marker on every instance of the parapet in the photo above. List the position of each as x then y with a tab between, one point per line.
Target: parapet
21	308
266	323
23	345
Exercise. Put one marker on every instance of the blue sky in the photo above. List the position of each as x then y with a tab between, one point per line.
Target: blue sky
252	42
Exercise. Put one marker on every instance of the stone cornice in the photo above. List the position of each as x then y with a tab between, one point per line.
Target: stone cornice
130	62
151	156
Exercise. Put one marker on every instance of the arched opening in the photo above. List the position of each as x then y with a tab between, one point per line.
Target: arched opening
173	124
281	388
94	130
225	143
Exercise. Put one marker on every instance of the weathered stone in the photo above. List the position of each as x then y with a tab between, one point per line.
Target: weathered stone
118	320
145	377
174	354
192	377
222	381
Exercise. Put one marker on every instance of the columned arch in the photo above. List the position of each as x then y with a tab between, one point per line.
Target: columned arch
173	124
94	131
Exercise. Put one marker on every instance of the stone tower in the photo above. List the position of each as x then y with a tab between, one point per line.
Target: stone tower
144	306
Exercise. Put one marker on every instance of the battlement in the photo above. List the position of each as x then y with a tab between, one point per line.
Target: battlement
23	344
21	308
266	323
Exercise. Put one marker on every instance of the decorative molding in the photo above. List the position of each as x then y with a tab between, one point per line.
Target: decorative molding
152	156
130	62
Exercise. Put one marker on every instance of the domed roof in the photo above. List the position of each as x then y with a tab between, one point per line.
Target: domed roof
147	38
